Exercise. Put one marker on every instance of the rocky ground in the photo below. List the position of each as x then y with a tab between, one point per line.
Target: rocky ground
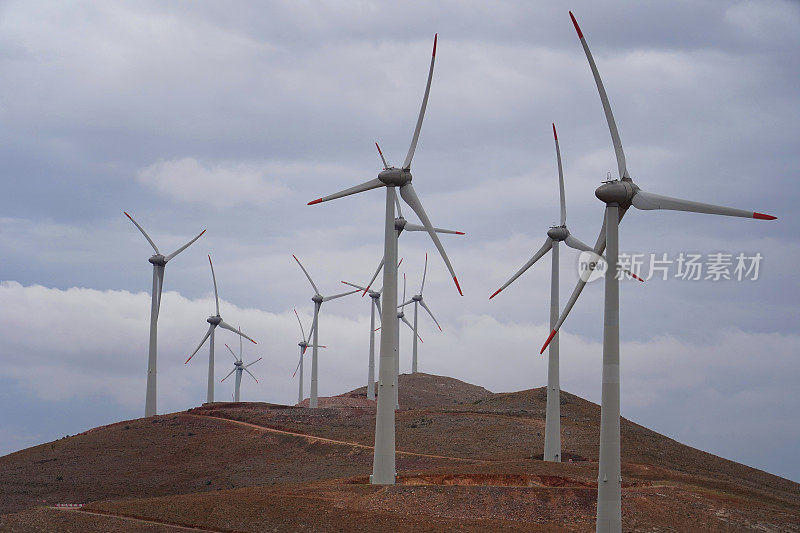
468	460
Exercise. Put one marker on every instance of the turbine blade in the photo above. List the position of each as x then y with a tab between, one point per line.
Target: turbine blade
254	362
298	365
574	242
378	305
385	164
366	186
229	375
612	125
359	287
251	374
411	301
548	243
560	179
415	138
424	272
316	290
182	248
214	277
397	205
301	326
424	306
233	354
227	326
377	271
202	342
329	298
647	201
160	276
404	287
146	236
417	227
410	197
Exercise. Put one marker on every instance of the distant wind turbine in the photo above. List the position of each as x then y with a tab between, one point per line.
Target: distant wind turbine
318	300
214	321
239	367
303	346
418	300
159	262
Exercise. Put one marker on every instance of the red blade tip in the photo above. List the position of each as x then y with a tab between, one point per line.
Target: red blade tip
555	135
460	233
575	23
127	215
637	277
201	233
312	202
495	293
458	286
190	358
435	38
762	216
552	334
254	342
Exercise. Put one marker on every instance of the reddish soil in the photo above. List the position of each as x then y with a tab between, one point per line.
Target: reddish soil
467	461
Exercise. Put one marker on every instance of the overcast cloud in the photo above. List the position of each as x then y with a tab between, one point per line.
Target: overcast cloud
193	115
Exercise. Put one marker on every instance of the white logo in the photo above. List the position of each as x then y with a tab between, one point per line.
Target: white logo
591	267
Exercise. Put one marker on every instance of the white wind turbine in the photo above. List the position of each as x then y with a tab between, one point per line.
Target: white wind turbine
418	300
159	262
556	234
619	195
383	468
318	300
239	367
214	321
303	344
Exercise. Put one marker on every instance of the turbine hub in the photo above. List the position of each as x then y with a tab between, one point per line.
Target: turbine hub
618	192
214	320
237	364
400	314
417	298
158	259
317	299
374	294
558	233
400	223
303	344
395	176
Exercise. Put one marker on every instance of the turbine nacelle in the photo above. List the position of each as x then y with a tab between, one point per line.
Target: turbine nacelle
416	298
620	192
558	233
214	320
238	364
400	224
394	176
158	260
317	299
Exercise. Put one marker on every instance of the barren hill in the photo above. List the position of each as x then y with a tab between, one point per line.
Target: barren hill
468	459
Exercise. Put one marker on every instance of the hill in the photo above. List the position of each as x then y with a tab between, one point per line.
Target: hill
468	459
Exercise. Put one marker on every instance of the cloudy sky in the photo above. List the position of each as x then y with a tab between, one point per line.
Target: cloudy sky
193	115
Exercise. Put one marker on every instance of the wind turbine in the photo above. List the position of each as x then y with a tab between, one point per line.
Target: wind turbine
619	195
303	344
383	468
214	321
159	262
239	367
401	317
418	300
555	235
318	300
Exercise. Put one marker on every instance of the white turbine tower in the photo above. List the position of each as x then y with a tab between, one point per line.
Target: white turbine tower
418	300
303	344
318	300
239	367
159	262
619	195
383	469
556	234
214	321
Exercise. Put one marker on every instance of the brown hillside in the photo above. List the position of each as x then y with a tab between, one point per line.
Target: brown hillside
467	460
